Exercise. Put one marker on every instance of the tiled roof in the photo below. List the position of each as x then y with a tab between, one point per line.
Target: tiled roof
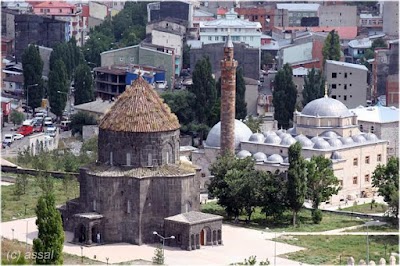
194	217
54	4
140	109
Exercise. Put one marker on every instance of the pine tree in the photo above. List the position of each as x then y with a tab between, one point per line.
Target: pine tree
158	258
296	185
83	84
240	107
51	234
313	86
58	87
331	49
32	65
284	96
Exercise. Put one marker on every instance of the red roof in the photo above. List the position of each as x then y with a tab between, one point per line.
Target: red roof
54	4
346	33
222	10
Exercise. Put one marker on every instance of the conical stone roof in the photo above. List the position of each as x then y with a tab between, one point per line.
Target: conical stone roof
139	109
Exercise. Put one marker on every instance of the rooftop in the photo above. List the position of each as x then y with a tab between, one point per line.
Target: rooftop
139	109
298	7
54	4
194	217
377	114
360	43
99	106
345	32
345	64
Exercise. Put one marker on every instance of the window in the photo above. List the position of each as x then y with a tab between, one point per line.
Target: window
366	178
251	38
334	75
203	175
333	96
209	38
345	97
355	180
367	159
60	10
355	161
350	85
372	129
345	86
128	159
333	86
121	59
149	159
379	157
215	29
128	207
345	75
361	128
350	73
41	10
111	158
216	38
94	205
351	96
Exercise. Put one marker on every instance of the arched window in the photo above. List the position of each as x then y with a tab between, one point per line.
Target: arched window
372	129
149	159
361	128
128	159
111	158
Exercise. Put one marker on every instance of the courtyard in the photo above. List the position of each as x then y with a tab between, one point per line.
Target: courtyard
238	244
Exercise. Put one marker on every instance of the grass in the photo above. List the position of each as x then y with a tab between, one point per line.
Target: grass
366	208
330	221
325	249
382	228
19	207
8	246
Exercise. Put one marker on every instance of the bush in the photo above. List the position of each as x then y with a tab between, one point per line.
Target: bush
317	216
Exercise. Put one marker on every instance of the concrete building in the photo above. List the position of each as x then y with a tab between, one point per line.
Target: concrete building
8	23
383	122
251	95
297	11
347	82
175	9
392	90
324	127
39	30
176	25
391	18
216	31
357	49
248	58
338	16
14	85
138	187
370	23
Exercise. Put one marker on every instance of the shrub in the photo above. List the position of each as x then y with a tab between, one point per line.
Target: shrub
317	216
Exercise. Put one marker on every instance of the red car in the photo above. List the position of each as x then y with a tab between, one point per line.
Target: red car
25	130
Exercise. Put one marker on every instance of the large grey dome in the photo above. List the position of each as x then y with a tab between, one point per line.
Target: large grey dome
371	137
257	137
260	157
275	158
359	138
304	141
292	131
242	133
269	132
285	135
272	139
329	134
321	145
243	154
347	140
316	138
326	107
287	141
335	143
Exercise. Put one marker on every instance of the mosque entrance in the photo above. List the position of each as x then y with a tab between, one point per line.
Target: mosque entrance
81	233
202	238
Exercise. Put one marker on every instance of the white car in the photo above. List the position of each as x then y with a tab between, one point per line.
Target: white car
18	136
8	139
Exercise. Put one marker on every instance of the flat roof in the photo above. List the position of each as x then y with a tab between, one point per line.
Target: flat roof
298	7
345	64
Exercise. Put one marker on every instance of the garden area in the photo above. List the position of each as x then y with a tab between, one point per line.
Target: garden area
258	220
335	250
372	207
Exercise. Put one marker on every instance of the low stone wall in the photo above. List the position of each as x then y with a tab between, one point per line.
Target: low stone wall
56	174
355	214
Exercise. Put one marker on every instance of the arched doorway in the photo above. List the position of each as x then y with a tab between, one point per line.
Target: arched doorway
80	233
95	231
205	236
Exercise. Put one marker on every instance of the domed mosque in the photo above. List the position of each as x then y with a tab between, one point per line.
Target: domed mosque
138	184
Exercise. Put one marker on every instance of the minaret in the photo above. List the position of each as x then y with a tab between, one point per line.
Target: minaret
228	98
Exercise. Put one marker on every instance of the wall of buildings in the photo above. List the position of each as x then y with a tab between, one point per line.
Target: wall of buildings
347	82
97	10
296	53
340	15
391	18
392	90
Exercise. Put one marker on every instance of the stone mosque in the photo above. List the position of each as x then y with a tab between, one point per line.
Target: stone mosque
324	127
138	184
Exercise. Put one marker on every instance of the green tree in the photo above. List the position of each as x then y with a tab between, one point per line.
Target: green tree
58	88
204	90
321	181
386	179
96	44
81	119
83	81
16	117
21	182
186	56
158	258
378	43
32	65
296	183
266	59
241	105
284	96
331	49
254	123
314	84
181	103
51	233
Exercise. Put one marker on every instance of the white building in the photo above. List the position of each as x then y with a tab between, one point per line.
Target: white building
241	30
297	11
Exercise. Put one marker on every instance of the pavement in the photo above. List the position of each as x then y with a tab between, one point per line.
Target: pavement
238	244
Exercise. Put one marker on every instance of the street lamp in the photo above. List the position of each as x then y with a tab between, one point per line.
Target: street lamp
372	222
82	254
163	240
267	229
27	97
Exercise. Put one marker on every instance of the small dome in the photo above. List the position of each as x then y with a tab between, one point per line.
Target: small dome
316	138
285	135
335	142
272	139
321	145
275	158
280	132
371	137
327	107
269	132
243	154
292	131
359	138
336	156
287	141
260	157
347	140
257	137
242	133
304	141
329	134
286	160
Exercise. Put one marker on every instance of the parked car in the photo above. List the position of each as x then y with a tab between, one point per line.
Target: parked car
65	125
18	136
8	139
51	131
